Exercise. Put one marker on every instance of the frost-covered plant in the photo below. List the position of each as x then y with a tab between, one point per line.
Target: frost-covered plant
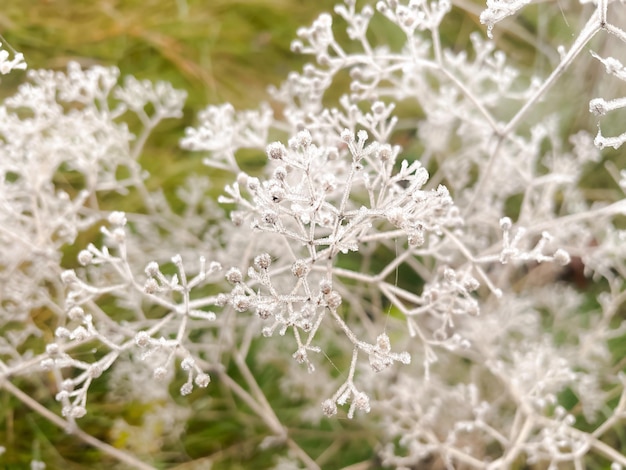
432	274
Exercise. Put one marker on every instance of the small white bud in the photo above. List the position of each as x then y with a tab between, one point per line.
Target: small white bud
329	407
94	371
85	257
53	349
276	151
186	389
362	402
270	217
74	412
449	275
241	303
69	277
160	373
202	380
562	257
347	136
117	218
142	339
300	356
76	313
152	269
62	332
300	268
119	235
234	276
333	299
263	261
506	224
326	286
187	363
151	286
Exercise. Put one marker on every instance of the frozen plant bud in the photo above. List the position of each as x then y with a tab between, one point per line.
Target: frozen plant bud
280	173
242	179
333	300
94	371
347	136
328	183
385	152
237	218
152	269
221	300
329	408
395	215
449	275
300	356
562	257
277	193
74	411
326	286
119	235
117	218
264	311
263	261
53	349
471	284
151	286
253	184
276	151
382	343
80	333
160	373
300	268
142	339
69	277
598	106
415	238
202	380
270	217
297	46
505	224
187	364
303	139
378	107
241	303
67	385
234	276
85	257
362	402
186	389
62	332
76	313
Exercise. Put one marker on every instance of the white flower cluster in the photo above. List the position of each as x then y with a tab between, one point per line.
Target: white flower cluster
411	240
